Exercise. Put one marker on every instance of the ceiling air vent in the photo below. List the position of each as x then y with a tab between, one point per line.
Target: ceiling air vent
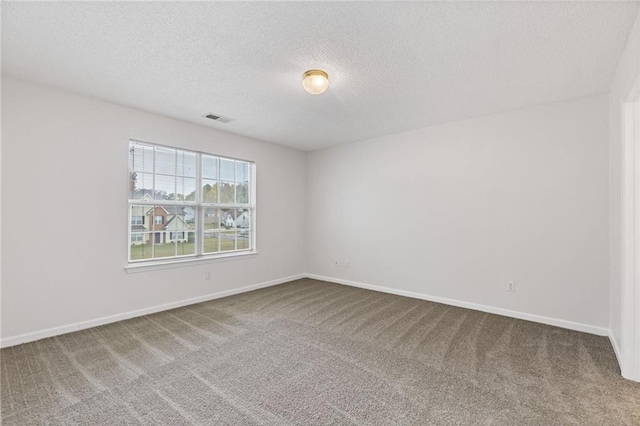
219	118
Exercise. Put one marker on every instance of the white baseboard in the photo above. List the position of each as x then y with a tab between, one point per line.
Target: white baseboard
616	347
586	328
56	331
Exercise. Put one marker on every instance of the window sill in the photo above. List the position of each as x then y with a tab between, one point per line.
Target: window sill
133	268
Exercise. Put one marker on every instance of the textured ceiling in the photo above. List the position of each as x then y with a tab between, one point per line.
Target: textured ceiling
393	66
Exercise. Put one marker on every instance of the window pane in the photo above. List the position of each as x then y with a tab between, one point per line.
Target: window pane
209	191
243	218
141	247
209	167
227	170
186	243
227	230
176	220
242	182
242	239
186	188
155	218
162	247
211	228
227	218
190	216
211	219
186	164
211	242
161	237
138	222
140	185
227	193
242	193
140	158
165	161
227	239
243	229
242	172
165	187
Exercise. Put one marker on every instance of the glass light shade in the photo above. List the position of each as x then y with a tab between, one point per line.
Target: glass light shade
315	82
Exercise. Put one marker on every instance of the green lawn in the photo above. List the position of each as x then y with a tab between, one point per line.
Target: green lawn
143	251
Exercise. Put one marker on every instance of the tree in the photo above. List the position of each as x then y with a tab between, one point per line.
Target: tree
210	193
242	193
133	181
226	193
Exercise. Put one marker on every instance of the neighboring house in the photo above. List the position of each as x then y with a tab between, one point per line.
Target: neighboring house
168	223
139	220
236	219
227	221
243	220
164	224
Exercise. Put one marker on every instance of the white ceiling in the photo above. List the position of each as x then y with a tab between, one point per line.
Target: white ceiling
393	66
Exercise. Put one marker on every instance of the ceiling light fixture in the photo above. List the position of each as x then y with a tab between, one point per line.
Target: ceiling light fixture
315	82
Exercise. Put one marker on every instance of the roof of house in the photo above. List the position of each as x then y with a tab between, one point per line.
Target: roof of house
171	210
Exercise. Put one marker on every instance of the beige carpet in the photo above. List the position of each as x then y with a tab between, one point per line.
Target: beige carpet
311	353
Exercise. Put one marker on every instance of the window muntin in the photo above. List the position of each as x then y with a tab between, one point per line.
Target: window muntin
188	204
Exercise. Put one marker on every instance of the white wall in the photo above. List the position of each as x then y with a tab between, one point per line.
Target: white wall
452	211
457	210
64	210
626	75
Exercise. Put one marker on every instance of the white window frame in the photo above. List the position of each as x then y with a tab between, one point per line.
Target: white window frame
135	221
199	208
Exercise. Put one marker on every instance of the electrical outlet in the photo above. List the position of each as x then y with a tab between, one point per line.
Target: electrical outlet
207	275
511	286
336	263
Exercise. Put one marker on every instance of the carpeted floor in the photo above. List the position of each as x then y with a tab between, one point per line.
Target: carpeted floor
311	353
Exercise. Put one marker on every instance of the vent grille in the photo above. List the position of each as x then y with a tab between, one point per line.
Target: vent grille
219	118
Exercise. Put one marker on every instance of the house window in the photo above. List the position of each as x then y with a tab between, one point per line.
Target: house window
202	204
176	235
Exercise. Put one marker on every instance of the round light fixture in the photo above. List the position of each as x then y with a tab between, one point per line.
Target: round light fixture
315	82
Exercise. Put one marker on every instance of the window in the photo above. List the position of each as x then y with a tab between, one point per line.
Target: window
202	205
176	235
